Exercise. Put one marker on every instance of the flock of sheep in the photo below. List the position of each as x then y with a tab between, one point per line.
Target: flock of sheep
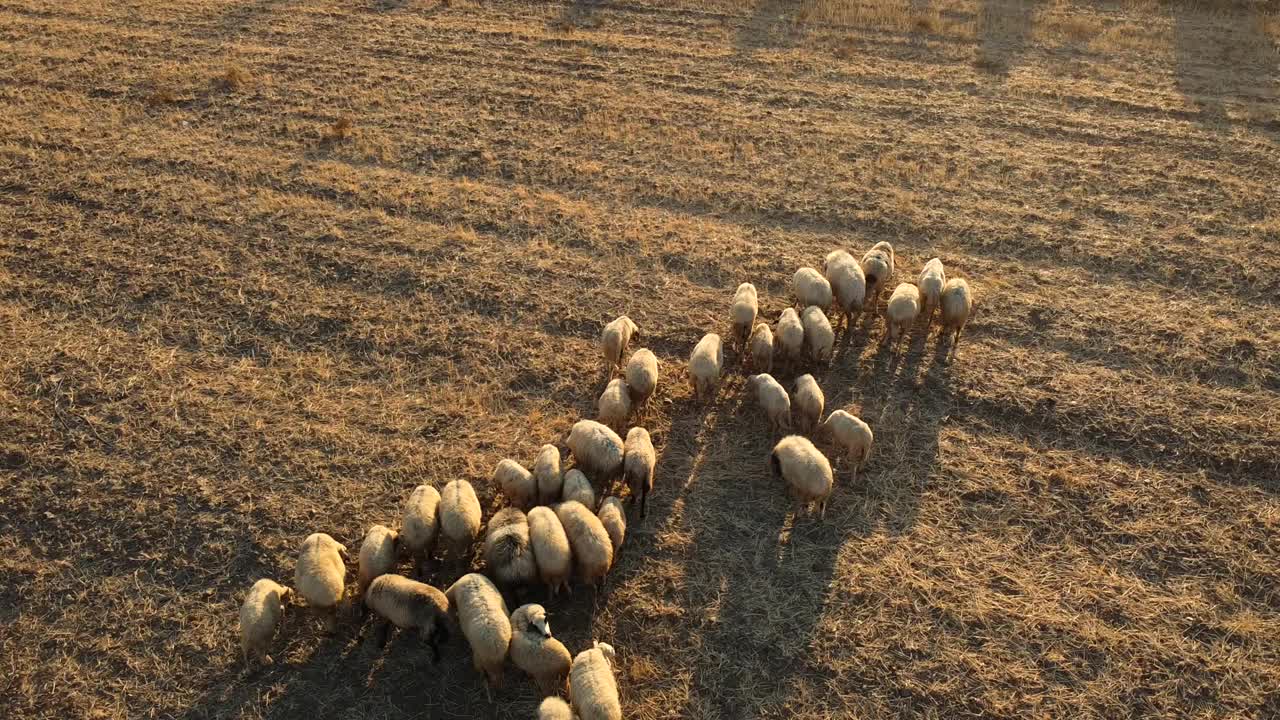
564	528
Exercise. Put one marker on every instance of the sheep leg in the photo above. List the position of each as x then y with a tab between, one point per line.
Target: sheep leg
822	510
644	495
381	631
434	640
330	621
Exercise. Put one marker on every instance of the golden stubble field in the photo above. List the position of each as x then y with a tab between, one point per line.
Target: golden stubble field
266	265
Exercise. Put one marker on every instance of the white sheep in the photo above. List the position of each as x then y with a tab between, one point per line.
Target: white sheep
517	483
459	518
901	312
614	340
614	406
578	488
592	686
642	377
550	548
848	284
877	268
592	547
320	576
811	288
378	554
852	434
818	334
761	344
409	604
485	622
805	469
614	520
705	364
807	401
597	450
553	708
546	473
536	652
790	334
420	524
932	280
508	553
773	399
742	313
260	614
957	303
638	464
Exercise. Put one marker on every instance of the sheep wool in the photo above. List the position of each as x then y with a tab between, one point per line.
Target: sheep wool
790	333
614	520
320	576
642	376
614	406
535	651
592	686
742	313
550	549
590	542
705	364
773	399
957	303
485	622
409	604
517	483
805	469
852	434
818	334
420	523
459	517
807	400
811	288
932	280
508	553
638	465
578	488
547	475
260	614
597	450
614	340
553	708
901	312
762	348
848	283
877	268
378	555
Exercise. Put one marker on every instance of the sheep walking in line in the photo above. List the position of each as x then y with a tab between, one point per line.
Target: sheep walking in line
932	280
642	378
957	304
877	269
901	312
848	284
638	465
459	519
762	349
807	401
818	334
790	334
614	340
742	313
614	406
705	364
590	542
578	488
260	614
614	520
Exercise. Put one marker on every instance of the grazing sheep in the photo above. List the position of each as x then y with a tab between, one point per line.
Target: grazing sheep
847	283
578	488
420	524
378	555
614	406
592	547
818	334
642	377
743	312
592	687
553	708
508	554
774	399
957	303
614	520
517	483
762	348
932	279
546	473
877	268
320	576
459	518
550	548
638	464
534	651
851	433
790	333
807	399
409	604
597	450
485	622
705	364
805	469
259	616
614	340
811	288
903	307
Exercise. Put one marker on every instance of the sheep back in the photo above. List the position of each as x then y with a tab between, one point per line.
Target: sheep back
550	548
590	542
642	375
596	449
377	555
320	575
546	473
420	523
592	686
485	622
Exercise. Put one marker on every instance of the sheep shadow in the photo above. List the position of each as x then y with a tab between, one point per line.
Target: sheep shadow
1005	27
1223	57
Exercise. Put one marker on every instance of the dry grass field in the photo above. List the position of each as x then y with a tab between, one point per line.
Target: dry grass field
265	265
